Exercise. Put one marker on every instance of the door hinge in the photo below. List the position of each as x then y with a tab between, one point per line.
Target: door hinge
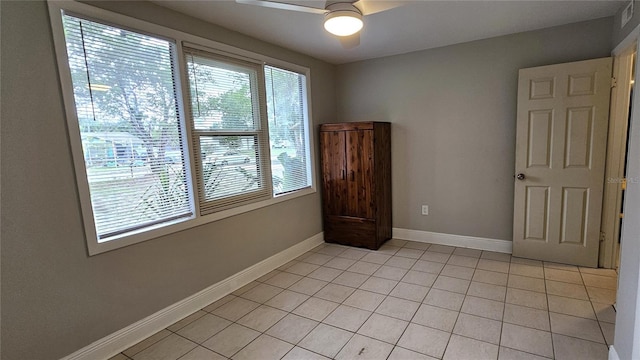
602	236
621	215
623	184
614	82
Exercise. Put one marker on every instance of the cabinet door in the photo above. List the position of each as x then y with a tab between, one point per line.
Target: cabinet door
360	174
334	194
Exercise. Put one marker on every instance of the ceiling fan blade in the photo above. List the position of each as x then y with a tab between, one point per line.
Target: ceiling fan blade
351	41
368	7
282	6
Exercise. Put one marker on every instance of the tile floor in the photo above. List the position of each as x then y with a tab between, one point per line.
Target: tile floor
407	300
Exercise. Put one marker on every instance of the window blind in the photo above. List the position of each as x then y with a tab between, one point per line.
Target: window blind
288	130
124	88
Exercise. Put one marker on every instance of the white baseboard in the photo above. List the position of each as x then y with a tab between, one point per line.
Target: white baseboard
134	333
613	355
471	242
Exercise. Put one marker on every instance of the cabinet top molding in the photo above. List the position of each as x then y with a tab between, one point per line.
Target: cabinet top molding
363	125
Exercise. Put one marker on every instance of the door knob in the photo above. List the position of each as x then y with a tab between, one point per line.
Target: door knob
520	176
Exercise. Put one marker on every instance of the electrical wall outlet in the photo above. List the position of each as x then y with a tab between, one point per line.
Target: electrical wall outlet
425	209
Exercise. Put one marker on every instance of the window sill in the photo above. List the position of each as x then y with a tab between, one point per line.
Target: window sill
95	247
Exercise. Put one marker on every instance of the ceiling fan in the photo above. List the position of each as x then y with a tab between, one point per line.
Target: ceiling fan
342	18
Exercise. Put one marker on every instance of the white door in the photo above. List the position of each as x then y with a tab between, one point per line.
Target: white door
561	138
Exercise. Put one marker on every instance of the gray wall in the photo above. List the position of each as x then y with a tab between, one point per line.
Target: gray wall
619	33
453	114
56	299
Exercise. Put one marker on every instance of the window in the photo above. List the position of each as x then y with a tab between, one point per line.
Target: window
170	131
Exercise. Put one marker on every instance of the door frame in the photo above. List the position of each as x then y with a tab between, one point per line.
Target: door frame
623	64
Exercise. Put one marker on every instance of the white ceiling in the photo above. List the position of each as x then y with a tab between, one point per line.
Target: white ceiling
415	25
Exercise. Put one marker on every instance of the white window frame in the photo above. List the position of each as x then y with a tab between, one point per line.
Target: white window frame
56	8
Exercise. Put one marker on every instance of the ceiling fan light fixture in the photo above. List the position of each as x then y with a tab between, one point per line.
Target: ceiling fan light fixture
343	19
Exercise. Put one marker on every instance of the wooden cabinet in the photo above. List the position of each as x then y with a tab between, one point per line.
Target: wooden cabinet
356	183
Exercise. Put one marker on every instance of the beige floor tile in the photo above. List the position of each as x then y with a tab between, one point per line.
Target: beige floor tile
608	330
235	309
490	255
334	292
569	348
511	354
283	280
169	348
524	261
490	277
410	291
364	300
529	340
438	257
459	272
397	242
467	252
569	306
526	316
563	276
605	282
361	347
202	353
604	312
600	272
478	328
465	261
130	352
332	250
399	353
527	298
204	328
604	296
526	283
264	347
262	318
354	254
298	353
315	309
376	258
390	273
119	357
350	279
487	291
526	270
451	284
251	285
577	327
347	318
317	259
567	290
431	267
308	286
410	253
288	265
388	249
261	293
363	267
325	274
302	268
292	328
435	317
414	339
401	262
340	263
565	267
383	328
268	275
464	348
398	308
186	321
493	265
483	307
326	340
444	299
417	245
287	300
216	304
445	249
379	285
419	278
230	340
